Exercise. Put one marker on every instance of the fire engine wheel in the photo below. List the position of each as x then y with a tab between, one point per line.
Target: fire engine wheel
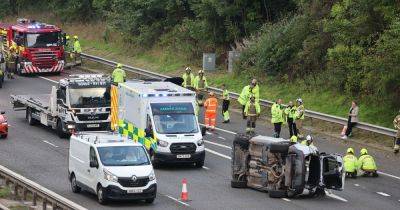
60	130
29	118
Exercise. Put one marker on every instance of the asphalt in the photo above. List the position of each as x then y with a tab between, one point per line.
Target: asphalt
38	154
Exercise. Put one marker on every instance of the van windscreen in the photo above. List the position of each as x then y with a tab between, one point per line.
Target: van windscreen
123	156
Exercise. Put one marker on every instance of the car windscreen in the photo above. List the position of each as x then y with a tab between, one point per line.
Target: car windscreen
89	97
123	156
174	118
43	39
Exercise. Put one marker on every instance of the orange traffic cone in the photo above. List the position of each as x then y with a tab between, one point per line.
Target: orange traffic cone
184	195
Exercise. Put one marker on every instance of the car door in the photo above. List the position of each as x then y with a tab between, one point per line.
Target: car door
93	172
332	171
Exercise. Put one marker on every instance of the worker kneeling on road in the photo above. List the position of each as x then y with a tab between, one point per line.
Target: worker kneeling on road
252	111
367	164
210	114
350	163
118	75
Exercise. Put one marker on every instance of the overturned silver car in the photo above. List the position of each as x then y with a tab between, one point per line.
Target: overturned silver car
282	168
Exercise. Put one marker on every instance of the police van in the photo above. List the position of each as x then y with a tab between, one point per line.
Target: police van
161	116
111	166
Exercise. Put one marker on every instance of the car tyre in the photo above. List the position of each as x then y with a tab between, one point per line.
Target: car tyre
74	186
277	193
60	131
101	195
150	200
199	164
238	184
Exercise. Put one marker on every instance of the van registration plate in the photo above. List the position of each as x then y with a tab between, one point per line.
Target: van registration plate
183	156
93	125
135	191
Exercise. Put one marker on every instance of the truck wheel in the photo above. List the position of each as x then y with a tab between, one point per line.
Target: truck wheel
101	195
29	118
279	148
74	186
277	193
238	184
60	131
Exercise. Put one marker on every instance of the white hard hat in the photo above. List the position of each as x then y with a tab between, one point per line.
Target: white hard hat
299	100
309	138
188	69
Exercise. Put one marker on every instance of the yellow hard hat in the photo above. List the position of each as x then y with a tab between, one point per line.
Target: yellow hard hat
363	151
67	37
293	139
350	150
75	37
119	65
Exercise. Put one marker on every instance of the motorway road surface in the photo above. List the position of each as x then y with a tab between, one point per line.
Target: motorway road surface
38	154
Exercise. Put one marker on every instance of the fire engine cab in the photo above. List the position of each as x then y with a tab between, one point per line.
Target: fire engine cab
32	47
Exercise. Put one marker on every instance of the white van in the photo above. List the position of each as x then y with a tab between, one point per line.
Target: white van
111	166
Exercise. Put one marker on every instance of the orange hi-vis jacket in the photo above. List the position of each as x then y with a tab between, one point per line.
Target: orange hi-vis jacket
211	105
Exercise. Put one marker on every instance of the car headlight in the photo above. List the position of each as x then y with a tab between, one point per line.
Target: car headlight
200	142
162	143
70	126
152	176
109	176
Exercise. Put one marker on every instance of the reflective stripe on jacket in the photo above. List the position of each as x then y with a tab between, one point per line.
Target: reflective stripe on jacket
77	47
197	83
188	80
300	112
225	94
277	113
244	96
247	108
118	75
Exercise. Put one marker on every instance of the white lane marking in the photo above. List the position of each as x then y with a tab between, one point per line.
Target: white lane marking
383	194
50	80
207	168
285	199
50	143
389	175
181	202
357	185
231	132
330	194
208	133
216	153
216	144
220	137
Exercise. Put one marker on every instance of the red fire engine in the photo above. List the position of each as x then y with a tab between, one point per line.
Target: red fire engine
32	47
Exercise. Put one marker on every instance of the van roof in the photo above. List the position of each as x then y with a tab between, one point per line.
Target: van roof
104	139
157	88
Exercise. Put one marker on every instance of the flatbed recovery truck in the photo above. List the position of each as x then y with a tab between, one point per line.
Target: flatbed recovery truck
79	102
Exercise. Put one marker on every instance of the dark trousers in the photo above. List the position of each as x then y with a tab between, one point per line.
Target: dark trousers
350	126
251	122
225	106
277	129
292	127
244	116
397	141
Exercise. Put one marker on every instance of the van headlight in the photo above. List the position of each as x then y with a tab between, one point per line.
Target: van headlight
152	176
200	142
109	176
162	143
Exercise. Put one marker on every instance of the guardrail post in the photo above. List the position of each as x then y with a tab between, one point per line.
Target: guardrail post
54	205
44	204
34	198
24	193
15	191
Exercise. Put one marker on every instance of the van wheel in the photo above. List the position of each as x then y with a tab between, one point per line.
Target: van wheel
74	186
101	195
60	131
29	118
150	200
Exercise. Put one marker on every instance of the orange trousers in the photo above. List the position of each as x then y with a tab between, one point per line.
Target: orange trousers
210	119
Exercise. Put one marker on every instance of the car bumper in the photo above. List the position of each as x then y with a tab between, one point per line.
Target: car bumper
115	193
172	158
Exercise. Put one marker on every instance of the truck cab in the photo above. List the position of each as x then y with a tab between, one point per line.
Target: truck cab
161	115
33	47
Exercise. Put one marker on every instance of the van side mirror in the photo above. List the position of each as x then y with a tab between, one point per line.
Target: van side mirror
94	164
203	131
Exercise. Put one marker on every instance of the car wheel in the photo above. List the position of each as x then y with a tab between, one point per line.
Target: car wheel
101	195
74	186
150	200
277	193
60	131
29	118
238	184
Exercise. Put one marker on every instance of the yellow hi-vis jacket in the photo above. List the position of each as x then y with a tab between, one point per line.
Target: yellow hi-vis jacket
188	80
118	75
277	113
244	96
367	163
350	163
